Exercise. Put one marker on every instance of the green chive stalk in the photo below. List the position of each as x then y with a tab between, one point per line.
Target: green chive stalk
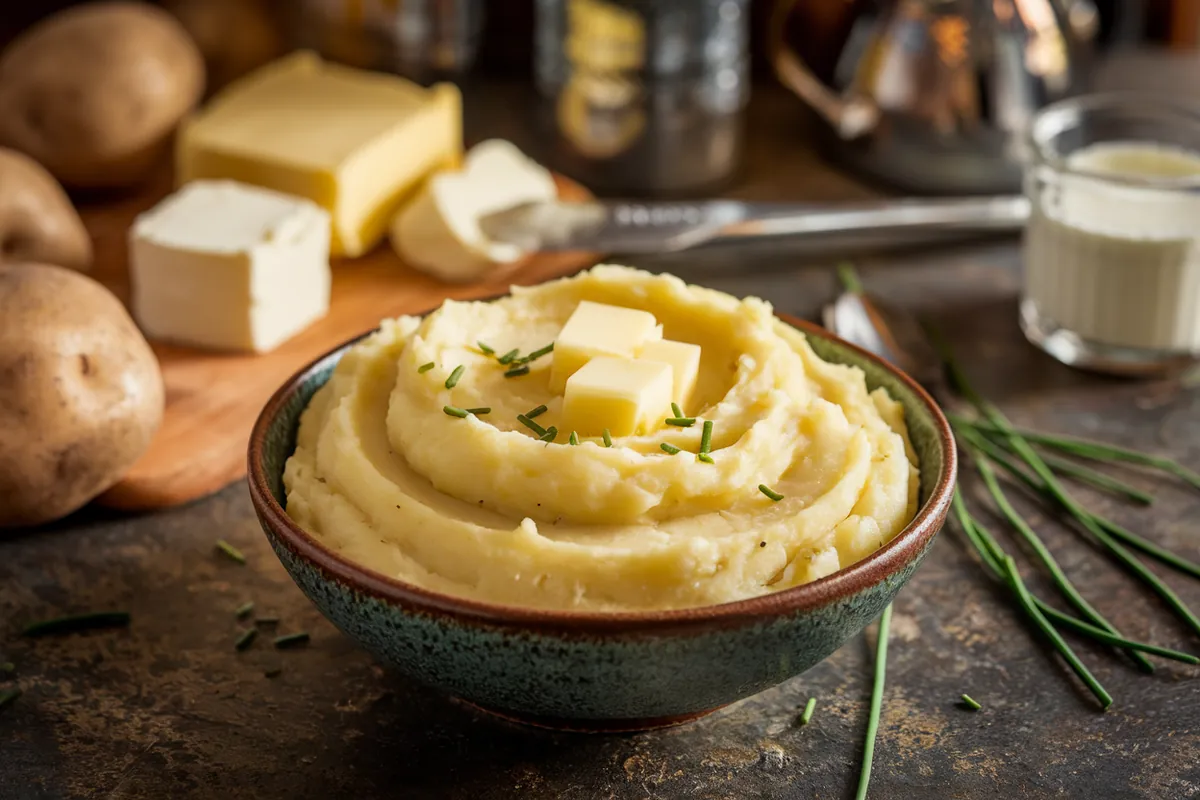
864	777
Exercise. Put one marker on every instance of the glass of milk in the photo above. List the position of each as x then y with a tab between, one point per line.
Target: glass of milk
1112	249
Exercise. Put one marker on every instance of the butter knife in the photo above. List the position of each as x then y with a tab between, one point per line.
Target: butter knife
635	227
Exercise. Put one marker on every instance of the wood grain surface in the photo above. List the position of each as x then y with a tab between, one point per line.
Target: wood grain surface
213	398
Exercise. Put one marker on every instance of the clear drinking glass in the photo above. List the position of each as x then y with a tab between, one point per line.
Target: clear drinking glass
1112	249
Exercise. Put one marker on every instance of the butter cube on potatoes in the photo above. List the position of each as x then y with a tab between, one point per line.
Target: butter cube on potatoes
354	142
438	230
624	395
227	266
684	360
597	329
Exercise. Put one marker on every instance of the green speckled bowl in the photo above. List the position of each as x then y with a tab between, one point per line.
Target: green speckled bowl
594	671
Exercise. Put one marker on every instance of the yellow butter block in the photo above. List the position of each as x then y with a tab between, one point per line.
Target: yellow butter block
352	141
684	360
597	329
625	395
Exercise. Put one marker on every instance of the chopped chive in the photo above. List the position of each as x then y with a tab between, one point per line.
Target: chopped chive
230	551
246	639
669	448
881	647
516	372
244	609
455	411
266	620
607	437
537	412
682	422
573	439
7	697
457	373
529	423
705	457
676	410
421	370
291	640
8	668
487	351
536	354
481	410
509	356
78	622
550	435
971	702
809	708
706	437
274	672
769	492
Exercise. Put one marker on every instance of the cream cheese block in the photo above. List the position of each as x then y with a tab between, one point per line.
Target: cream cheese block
227	266
438	231
352	141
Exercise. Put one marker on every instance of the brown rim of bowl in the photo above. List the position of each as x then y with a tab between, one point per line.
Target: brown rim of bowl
873	569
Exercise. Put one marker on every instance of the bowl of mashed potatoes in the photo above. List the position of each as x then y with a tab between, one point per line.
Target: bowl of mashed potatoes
611	501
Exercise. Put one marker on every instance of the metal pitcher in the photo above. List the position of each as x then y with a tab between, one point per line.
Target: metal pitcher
934	96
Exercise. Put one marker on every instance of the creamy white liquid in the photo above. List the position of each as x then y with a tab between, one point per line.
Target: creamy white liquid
1119	264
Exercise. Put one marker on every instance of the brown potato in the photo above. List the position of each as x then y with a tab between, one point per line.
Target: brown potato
81	397
94	93
37	220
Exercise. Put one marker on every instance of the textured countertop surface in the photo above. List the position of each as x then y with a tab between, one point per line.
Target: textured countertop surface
167	709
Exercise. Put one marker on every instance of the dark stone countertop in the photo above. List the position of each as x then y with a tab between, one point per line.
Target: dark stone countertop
167	709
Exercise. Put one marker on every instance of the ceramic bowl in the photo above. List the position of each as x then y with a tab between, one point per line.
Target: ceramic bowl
598	671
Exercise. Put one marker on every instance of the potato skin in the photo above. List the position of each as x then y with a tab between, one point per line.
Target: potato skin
37	221
81	393
93	93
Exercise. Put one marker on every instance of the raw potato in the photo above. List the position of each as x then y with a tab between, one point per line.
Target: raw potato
82	393
37	220
94	93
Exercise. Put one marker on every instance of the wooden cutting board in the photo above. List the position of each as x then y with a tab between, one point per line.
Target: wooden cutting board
212	399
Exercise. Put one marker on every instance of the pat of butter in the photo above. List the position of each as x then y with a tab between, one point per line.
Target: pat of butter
625	395
684	360
227	266
352	141
597	329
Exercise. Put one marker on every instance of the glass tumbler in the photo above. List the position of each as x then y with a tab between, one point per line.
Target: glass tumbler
1112	249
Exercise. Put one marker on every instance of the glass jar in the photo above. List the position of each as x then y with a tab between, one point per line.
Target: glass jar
1112	249
643	97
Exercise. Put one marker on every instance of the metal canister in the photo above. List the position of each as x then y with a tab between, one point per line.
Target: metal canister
644	97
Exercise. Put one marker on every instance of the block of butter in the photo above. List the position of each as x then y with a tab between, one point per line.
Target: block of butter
623	395
227	266
352	141
598	329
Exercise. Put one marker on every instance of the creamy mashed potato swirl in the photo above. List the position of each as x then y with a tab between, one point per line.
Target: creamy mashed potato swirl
478	507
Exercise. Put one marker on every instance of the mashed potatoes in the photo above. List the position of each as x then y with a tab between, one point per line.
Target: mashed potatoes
478	507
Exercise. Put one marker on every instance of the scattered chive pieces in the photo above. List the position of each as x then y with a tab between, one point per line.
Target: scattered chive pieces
457	373
266	620
487	351
508	357
676	410
7	697
455	411
706	438
809	708
480	410
525	420
274	672
573	439
536	354
244	609
78	622
537	412
705	457
607	437
8	668
246	639
971	702
421	370
669	448
864	778
550	435
291	640
769	492
682	422
232	552
516	372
